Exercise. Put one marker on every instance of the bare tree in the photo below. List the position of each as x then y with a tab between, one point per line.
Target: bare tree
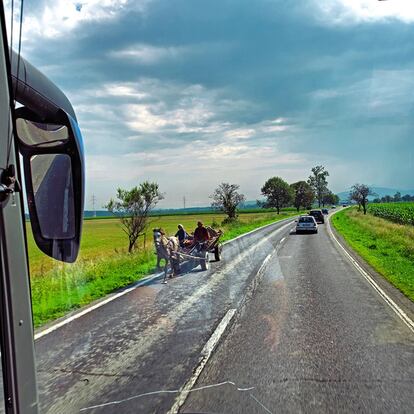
277	192
360	193
134	206
226	198
317	180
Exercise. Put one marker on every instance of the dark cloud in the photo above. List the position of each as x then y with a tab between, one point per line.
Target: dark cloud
159	77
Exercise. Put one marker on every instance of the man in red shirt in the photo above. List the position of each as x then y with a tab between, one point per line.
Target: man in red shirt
201	233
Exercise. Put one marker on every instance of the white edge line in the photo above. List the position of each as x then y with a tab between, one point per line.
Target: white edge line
403	316
206	353
143	281
258	228
96	306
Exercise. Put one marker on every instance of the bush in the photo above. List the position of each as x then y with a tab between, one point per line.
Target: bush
230	221
215	224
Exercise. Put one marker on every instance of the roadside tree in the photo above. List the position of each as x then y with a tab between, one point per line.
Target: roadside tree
360	193
317	180
330	198
302	194
277	192
133	208
226	198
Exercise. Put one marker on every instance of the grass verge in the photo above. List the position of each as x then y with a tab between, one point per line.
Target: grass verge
67	287
388	247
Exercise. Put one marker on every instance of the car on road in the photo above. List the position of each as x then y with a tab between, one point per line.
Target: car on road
318	216
306	224
325	211
333	206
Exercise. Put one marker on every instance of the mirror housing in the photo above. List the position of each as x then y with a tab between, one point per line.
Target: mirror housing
53	164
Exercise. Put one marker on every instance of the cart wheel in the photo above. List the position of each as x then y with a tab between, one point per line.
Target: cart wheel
217	252
205	263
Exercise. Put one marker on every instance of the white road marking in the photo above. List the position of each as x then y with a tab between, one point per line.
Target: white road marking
146	394
205	356
261	268
112	297
282	240
93	307
258	229
403	316
209	348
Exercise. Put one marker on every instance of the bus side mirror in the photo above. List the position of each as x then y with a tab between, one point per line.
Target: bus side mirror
53	164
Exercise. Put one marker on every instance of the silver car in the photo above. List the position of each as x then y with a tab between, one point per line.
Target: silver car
306	224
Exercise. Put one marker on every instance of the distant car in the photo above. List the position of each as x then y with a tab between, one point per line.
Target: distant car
325	211
333	206
318	216
343	205
306	224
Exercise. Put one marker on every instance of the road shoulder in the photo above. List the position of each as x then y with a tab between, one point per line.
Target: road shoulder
406	305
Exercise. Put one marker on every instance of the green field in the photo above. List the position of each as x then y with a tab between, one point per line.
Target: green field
104	264
402	213
102	238
387	246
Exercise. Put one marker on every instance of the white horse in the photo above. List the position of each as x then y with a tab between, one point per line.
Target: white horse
167	249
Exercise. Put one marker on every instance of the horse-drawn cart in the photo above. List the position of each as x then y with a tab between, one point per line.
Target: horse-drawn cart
168	249
200	251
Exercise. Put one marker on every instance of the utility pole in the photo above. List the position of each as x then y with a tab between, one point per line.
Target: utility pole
184	201
93	199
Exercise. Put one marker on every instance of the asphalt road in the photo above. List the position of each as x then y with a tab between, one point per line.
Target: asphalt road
315	337
149	339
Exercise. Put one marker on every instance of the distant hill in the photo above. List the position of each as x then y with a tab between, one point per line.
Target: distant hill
250	204
380	191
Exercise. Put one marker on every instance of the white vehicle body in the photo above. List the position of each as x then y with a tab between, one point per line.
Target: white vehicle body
306	224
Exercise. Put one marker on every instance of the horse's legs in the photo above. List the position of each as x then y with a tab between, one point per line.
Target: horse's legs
159	258
175	265
165	272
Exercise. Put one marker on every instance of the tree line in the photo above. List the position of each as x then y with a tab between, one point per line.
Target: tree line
359	194
397	198
134	206
278	194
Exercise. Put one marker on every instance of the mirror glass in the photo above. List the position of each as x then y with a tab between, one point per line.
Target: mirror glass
53	195
40	134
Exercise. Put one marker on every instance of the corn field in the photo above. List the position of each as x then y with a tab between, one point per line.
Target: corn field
402	213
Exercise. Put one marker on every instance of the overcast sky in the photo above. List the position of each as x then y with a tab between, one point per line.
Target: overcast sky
193	93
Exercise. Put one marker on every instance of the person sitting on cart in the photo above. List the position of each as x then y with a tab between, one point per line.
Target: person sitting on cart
182	235
201	234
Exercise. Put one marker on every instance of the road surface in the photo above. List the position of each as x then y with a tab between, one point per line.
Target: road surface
312	336
315	338
149	339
